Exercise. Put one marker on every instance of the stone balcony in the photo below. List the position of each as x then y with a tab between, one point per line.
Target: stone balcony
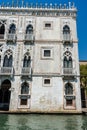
69	73
67	38
29	38
11	38
8	71
26	72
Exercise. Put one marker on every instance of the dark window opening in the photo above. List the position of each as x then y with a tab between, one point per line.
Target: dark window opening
47	53
29	29
69	102
68	89
67	63
26	62
46	81
7	61
25	88
2	31
66	30
48	25
23	102
12	29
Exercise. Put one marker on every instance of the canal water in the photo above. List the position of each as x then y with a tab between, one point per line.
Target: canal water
43	122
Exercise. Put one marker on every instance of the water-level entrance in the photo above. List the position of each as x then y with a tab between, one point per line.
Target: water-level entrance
5	95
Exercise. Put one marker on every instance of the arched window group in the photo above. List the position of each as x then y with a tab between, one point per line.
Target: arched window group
27	60
68	89
25	88
8	59
67	61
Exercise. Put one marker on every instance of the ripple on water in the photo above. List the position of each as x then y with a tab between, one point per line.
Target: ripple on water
43	122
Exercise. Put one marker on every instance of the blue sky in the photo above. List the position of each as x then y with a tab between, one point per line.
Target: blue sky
81	21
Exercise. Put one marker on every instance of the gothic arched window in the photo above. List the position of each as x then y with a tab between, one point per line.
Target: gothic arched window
12	29
27	60
8	59
25	88
68	89
2	31
67	61
29	29
66	29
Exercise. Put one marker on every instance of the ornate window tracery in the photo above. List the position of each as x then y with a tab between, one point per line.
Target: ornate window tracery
67	61
8	59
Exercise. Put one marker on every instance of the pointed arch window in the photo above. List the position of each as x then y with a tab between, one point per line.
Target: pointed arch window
27	60
12	29
29	29
2	31
66	29
25	88
7	61
67	61
68	89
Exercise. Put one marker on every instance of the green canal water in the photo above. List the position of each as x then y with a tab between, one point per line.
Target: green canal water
43	122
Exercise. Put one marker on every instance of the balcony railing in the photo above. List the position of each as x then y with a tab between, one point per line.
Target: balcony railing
26	71
11	37
1	36
6	71
68	71
67	38
29	38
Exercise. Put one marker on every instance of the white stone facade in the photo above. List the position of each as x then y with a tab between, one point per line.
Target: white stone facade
39	64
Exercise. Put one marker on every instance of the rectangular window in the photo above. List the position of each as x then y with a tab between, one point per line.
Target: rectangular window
23	102
47	53
69	102
46	81
47	25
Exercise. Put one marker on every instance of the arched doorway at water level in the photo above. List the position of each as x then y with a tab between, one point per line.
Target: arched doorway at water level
5	95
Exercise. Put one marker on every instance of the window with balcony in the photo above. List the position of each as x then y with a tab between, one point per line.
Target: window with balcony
69	94
66	34
67	63
24	94
2	31
11	36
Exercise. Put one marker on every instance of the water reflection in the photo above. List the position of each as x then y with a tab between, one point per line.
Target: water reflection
43	122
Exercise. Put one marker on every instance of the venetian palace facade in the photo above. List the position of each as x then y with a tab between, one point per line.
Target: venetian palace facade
39	66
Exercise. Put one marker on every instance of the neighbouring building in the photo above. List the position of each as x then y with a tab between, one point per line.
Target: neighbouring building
39	64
